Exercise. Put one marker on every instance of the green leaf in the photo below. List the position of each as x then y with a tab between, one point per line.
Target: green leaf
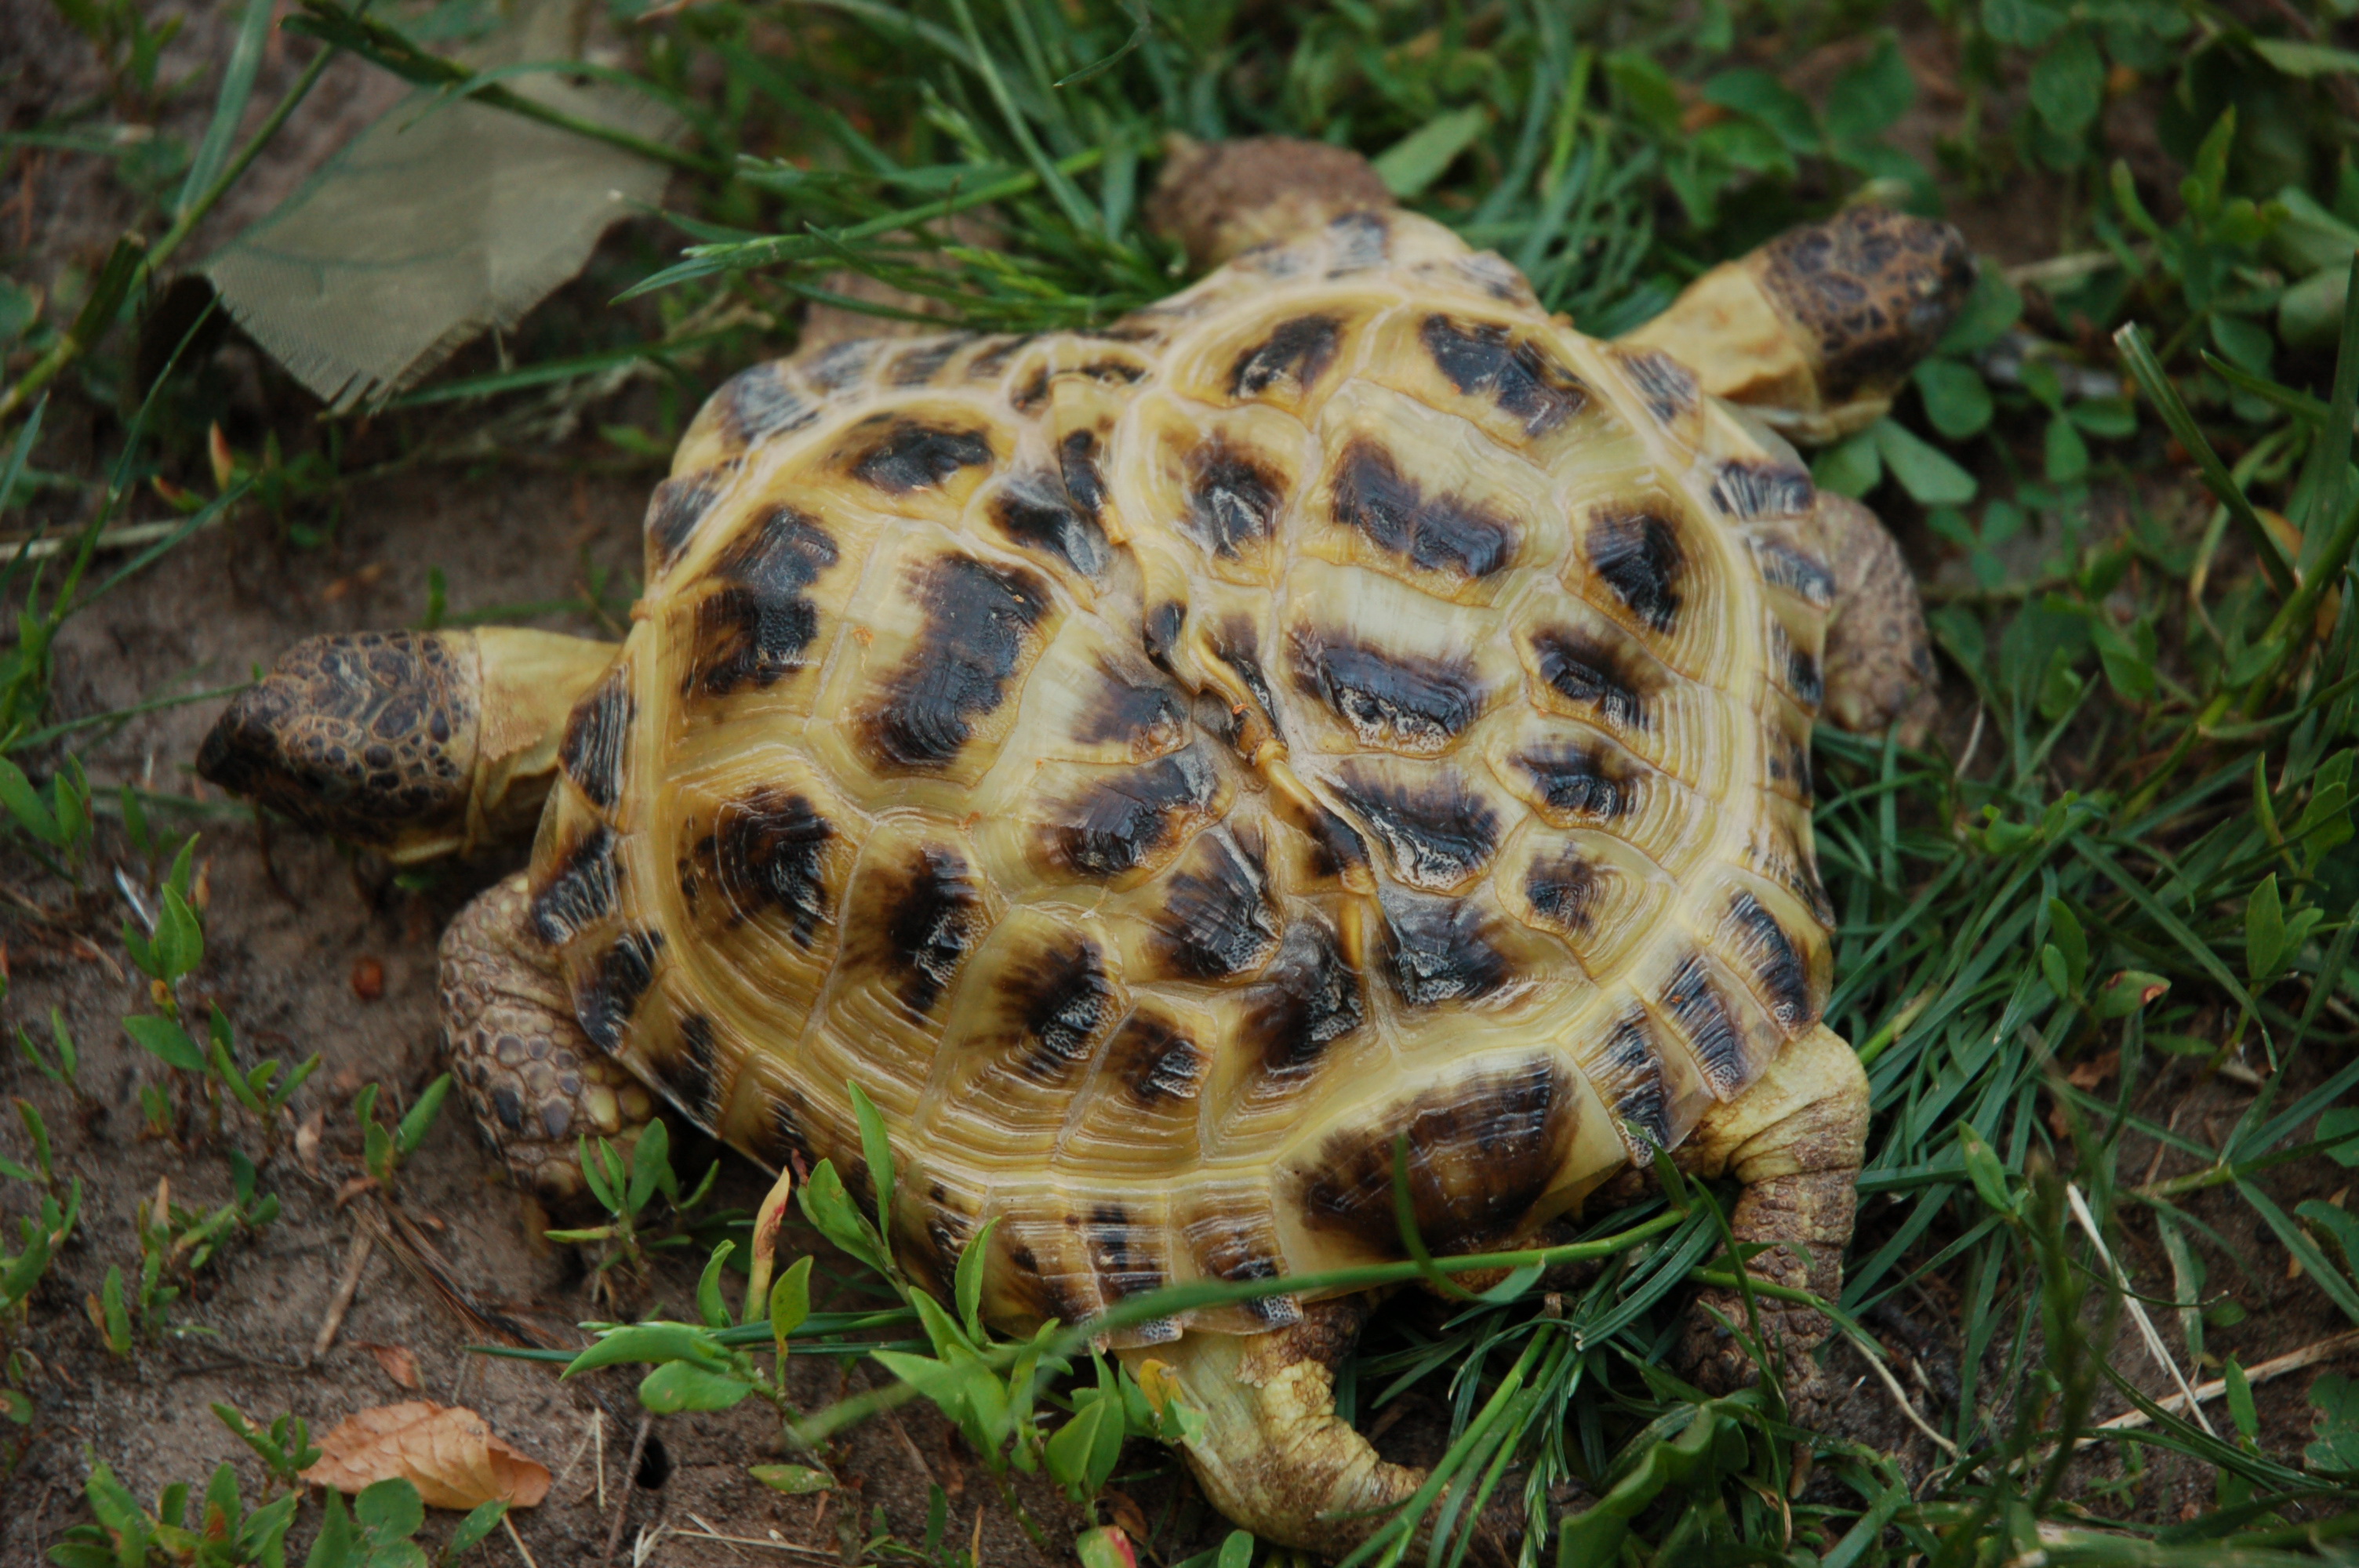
877	1152
2305	60
2246	343
162	1038
473	1529
967	1288
1419	158
1929	478
1869	97
2024	22
2068	85
1984	1171
25	804
829	1209
650	1165
420	1118
2070	940
661	1341
1850	469
229	107
2336	1446
679	1385
337	1546
2265	931
179	937
709	1307
389	1509
2127	990
795	1480
2067	454
593	1177
1073	1452
1107	1546
1760	94
1237	1550
1956	400
2339	1125
1645	90
789	1301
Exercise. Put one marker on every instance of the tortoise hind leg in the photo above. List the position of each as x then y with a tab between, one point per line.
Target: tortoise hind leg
1796	1139
531	1075
1272	1453
1879	663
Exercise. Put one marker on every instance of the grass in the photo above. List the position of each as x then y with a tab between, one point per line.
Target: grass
2131	878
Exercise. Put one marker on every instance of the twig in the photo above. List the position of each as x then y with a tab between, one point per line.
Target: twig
41	547
709	1533
598	1434
630	1484
522	1550
356	1260
2154	1343
1900	1398
2325	1349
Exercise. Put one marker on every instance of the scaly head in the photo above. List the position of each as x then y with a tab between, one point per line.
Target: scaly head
419	744
1816	330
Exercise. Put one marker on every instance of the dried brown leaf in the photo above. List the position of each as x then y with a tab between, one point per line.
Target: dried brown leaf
446	1451
398	1364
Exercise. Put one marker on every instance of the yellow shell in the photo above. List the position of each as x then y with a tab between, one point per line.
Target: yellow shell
1161	765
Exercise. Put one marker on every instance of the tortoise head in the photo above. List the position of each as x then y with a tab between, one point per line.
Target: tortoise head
369	736
419	744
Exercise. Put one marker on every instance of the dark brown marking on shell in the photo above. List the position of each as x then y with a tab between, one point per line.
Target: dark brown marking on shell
1362	239
597	737
1339	847
1238	1248
692	1074
1596	673
1632	1055
767	851
1063	1001
1803	674
1527	382
582	893
979	622
757	403
1157	1064
1123	1255
1666	384
1232	498
1436	837
783	1135
1124	820
993	360
1804	576
920	363
1747	489
1387	698
843	364
932	916
1135	706
758	623
1637	554
1574	780
1704	1017
1035	511
898	455
1438	950
946	1232
1077	465
1482	1153
1238	647
1563	889
1875	288
1311	998
1296	353
1028	397
1777	963
679	505
1217	917
605	999
1438	534
1161	634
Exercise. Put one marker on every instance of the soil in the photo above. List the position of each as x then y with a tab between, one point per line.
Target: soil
311	948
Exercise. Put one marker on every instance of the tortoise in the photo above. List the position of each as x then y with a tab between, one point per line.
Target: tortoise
1159	763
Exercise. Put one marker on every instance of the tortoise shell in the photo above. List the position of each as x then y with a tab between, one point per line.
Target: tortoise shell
1162	764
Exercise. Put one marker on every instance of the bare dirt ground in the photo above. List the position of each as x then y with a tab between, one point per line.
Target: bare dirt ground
296	926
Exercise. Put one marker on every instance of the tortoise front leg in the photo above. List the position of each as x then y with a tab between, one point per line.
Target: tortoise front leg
531	1075
1275	1457
1796	1139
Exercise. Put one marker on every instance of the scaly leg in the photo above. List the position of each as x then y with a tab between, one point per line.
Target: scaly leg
1273	1454
1879	665
533	1079
1796	1141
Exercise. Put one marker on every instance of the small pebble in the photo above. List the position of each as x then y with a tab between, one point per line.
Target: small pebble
368	978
